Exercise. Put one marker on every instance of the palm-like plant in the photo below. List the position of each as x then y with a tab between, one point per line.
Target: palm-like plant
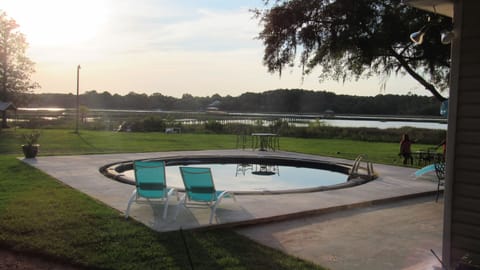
30	148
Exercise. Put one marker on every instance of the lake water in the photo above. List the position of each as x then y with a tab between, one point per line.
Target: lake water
382	122
385	124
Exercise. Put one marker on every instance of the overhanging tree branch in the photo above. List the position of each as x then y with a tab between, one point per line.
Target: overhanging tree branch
417	76
348	38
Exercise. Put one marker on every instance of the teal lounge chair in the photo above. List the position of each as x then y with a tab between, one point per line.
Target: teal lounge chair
199	187
150	184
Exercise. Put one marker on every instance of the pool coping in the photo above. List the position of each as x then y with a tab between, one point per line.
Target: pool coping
114	171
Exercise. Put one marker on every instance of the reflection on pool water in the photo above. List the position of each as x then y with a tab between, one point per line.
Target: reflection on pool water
255	177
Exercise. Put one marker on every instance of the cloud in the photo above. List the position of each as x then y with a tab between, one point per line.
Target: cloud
202	29
128	27
174	47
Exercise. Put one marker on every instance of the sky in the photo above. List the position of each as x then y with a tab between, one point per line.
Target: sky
197	47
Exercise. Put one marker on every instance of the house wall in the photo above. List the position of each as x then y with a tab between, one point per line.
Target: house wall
462	191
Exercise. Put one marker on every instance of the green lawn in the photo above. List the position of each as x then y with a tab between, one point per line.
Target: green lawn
40	215
59	142
65	142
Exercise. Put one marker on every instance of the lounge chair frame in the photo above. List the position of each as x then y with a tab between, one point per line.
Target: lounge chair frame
203	193
150	185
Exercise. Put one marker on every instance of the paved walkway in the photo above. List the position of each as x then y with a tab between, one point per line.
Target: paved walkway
394	185
390	236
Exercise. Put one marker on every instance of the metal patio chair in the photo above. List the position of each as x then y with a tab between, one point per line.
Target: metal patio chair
440	172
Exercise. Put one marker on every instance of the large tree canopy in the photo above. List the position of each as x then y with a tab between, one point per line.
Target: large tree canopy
355	38
15	67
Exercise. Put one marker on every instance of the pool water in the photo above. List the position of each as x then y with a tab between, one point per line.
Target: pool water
256	177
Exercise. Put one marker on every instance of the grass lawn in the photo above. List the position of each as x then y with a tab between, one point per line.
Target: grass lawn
65	142
40	215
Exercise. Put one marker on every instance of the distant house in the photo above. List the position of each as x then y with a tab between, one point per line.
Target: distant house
213	106
4	107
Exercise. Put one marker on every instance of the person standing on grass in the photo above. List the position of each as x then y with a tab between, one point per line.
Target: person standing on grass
405	149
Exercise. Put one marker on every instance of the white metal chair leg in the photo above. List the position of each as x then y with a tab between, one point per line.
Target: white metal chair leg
181	203
212	213
132	198
217	202
165	208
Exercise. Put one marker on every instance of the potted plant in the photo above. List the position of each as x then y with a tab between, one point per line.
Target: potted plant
30	148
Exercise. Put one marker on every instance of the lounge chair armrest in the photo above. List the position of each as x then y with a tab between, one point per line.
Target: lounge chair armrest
171	191
226	194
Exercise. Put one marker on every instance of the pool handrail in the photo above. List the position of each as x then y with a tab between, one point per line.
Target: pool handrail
356	165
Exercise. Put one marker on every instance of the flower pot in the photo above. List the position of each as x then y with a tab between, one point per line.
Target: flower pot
30	150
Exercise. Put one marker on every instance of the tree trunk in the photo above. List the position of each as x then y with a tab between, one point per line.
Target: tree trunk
4	119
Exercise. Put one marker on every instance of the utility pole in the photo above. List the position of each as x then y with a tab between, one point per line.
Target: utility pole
78	99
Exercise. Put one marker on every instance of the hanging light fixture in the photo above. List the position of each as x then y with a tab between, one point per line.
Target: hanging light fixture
447	37
417	37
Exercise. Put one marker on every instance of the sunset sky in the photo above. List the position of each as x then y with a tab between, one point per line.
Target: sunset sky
197	47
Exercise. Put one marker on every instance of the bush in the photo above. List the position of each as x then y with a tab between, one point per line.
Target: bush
149	124
214	126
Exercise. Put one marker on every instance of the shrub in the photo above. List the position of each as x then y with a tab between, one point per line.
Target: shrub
148	124
214	126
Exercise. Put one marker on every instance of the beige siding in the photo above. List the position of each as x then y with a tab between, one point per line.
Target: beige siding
465	221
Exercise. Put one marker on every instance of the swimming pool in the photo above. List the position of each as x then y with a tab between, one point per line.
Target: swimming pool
250	175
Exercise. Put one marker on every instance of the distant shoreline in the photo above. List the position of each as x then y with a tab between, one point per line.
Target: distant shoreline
403	118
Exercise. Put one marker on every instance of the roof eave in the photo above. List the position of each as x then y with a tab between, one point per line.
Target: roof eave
443	7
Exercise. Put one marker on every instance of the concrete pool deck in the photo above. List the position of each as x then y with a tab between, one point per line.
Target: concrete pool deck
394	185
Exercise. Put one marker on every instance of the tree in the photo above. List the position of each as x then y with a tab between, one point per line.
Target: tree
15	67
355	38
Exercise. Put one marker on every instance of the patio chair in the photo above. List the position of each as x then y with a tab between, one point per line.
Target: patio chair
199	188
242	141
440	172
150	184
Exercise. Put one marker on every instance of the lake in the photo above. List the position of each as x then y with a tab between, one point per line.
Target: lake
186	118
